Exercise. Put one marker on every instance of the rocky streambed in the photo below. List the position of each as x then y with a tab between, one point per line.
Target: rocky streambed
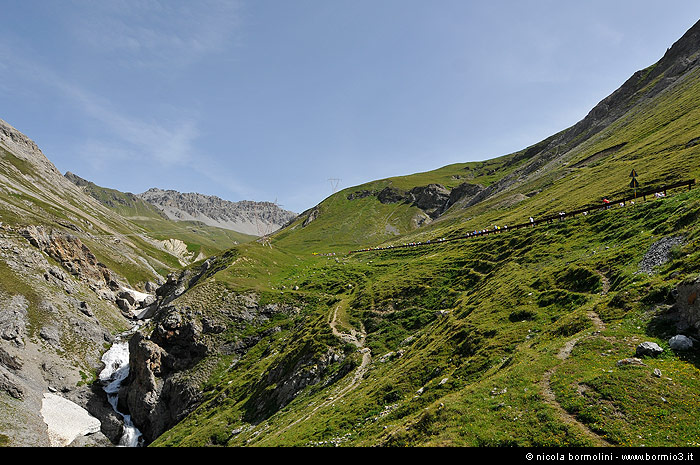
116	370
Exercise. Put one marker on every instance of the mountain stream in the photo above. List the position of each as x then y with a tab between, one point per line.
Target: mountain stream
116	361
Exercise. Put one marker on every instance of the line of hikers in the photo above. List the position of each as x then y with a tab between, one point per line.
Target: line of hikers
607	204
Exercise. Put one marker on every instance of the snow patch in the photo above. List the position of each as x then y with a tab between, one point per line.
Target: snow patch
66	420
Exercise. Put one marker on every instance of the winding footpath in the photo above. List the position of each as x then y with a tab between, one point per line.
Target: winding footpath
356	338
564	353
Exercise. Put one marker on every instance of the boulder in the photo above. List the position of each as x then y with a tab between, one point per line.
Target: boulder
680	343
127	296
651	349
124	306
687	306
631	362
85	309
147	301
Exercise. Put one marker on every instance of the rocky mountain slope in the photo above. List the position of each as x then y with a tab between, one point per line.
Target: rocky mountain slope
66	262
73	275
542	336
254	218
186	239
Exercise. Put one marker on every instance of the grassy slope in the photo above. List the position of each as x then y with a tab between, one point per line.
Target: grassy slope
514	300
344	224
199	237
473	330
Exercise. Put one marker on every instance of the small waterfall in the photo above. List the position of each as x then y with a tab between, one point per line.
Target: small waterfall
116	361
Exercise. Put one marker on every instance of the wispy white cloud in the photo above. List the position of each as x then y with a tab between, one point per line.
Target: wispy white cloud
124	137
155	33
171	144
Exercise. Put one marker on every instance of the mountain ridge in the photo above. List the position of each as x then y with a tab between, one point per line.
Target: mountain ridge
246	216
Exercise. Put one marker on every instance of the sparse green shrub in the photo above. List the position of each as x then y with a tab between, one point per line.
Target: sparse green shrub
522	315
219	438
561	298
578	279
570	325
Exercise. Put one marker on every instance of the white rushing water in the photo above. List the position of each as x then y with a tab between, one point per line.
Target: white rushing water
116	361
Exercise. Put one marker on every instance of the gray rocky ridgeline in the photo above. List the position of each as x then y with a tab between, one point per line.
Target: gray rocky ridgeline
246	216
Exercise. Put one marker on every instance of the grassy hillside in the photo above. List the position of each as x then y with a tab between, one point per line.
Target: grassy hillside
508	339
466	340
527	337
199	237
658	140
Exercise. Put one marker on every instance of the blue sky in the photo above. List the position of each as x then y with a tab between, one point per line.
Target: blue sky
269	99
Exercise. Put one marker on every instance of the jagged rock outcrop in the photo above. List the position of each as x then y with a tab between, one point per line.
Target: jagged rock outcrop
464	190
255	218
165	379
390	195
687	306
433	199
74	256
288	381
313	214
155	396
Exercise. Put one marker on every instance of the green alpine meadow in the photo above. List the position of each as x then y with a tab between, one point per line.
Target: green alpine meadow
543	298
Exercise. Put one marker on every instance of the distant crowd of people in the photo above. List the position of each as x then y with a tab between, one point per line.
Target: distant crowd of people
405	244
607	204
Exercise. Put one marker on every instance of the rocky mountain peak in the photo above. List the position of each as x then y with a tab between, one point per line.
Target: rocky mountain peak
246	216
685	50
24	150
17	138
